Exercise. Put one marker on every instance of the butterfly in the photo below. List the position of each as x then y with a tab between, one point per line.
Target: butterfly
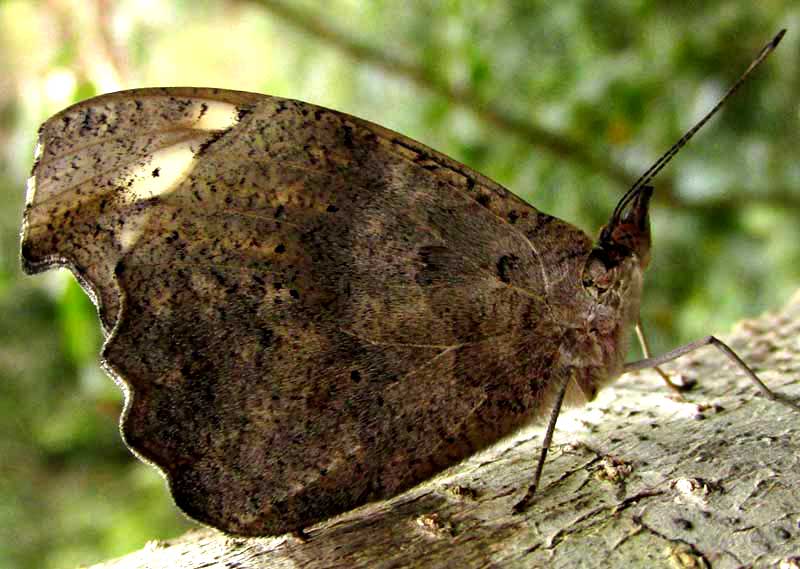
307	311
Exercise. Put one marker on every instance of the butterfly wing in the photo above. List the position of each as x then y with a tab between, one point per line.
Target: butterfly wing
307	311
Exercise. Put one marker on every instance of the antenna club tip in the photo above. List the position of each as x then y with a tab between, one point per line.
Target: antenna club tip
778	37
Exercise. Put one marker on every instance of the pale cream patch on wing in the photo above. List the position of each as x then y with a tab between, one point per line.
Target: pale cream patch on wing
161	173
217	115
132	230
164	169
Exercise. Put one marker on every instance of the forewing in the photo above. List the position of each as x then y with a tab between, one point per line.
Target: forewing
307	311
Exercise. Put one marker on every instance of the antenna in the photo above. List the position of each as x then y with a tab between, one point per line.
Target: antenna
651	172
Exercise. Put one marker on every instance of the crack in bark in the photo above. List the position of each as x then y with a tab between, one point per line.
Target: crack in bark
692	548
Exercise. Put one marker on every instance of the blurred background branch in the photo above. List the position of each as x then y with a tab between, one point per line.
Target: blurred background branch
538	136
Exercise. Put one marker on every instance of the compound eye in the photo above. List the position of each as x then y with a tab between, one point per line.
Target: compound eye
597	277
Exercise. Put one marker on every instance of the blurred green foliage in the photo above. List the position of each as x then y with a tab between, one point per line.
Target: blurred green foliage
619	81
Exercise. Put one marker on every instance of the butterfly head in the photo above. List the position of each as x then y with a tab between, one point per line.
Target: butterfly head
628	231
623	247
613	278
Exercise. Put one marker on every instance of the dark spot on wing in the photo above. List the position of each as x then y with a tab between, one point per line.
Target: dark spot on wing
211	140
348	136
505	265
242	112
265	337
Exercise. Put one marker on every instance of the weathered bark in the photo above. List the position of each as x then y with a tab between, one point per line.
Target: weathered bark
636	479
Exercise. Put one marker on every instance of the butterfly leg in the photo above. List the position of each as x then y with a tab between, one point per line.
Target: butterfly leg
523	504
678	389
650	362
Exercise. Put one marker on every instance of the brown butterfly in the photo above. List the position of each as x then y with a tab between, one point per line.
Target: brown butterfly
309	312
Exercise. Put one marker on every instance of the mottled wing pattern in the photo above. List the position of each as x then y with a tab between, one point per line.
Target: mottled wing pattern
307	311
